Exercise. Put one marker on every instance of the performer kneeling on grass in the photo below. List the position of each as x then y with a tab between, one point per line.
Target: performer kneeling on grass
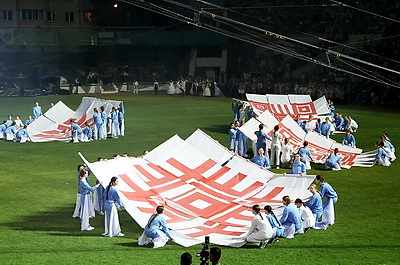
291	219
156	230
111	199
328	215
333	160
84	190
315	204
298	167
260	230
261	160
307	217
275	224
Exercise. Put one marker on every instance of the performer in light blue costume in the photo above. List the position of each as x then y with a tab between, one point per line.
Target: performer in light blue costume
78	195
315	204
104	118
349	139
291	219
318	125
9	121
298	121
22	135
3	128
328	215
340	123
115	123
121	120
273	220
304	153
111	199
10	132
261	160
76	131
88	132
84	189
298	167
29	120
98	123
262	138
37	110
232	136
156	230
333	160
250	112
382	158
326	127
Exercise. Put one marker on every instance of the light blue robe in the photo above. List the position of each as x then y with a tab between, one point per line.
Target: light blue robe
262	161
349	140
291	216
280	229
298	168
37	111
304	153
333	161
158	223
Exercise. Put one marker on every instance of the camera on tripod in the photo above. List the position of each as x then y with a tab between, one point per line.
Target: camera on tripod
204	254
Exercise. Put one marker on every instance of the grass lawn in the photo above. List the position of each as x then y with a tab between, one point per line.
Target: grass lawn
38	191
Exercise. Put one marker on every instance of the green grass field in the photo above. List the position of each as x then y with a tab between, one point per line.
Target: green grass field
38	191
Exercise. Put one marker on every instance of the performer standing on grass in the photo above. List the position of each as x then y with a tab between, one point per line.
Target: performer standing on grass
37	110
98	124
104	119
156	230
111	199
276	147
115	123
328	215
287	152
262	139
84	189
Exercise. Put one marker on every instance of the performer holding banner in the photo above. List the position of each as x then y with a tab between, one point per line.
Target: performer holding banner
84	189
260	230
328	215
156	230
111	198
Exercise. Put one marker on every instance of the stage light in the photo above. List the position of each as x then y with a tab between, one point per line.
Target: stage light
115	5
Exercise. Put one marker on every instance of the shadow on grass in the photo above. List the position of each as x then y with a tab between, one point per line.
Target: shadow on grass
58	221
217	128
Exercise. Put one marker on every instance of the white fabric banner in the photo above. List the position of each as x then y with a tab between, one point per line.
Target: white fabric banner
202	196
54	124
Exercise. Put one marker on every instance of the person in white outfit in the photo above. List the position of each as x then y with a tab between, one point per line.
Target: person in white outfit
287	152
276	145
306	215
260	230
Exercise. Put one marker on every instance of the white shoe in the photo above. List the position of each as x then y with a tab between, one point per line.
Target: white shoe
90	228
104	234
277	167
121	234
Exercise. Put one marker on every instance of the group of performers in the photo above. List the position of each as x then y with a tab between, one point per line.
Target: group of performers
107	202
16	130
297	218
104	123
